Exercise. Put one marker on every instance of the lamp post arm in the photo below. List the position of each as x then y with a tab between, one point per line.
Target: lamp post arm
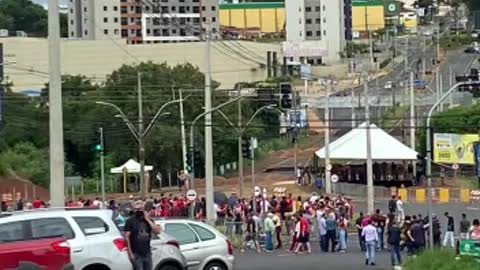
123	116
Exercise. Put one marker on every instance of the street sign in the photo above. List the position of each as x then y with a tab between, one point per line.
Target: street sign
306	71
191	195
455	166
392	8
470	248
334	178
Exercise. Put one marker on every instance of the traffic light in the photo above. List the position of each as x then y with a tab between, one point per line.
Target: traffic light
189	159
99	141
197	159
286	96
98	147
246	148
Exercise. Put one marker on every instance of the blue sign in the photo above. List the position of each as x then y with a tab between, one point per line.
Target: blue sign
306	72
476	149
420	83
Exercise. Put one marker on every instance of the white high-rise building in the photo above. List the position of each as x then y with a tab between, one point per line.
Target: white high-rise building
315	31
93	19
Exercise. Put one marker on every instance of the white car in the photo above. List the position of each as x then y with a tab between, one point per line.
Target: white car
94	239
204	247
388	85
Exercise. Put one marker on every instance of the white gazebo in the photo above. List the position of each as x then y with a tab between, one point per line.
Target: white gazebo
131	166
353	146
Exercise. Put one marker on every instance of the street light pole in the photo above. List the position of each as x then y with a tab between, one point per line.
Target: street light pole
240	157
429	159
328	184
182	130
412	118
141	147
370	191
57	155
102	166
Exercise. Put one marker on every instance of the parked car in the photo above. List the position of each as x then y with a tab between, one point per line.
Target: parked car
204	247
93	240
20	252
166	254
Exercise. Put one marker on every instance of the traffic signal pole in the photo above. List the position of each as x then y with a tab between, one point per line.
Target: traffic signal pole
254	183
184	139
240	157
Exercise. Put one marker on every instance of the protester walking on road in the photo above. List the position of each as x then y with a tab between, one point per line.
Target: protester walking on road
371	238
392	205
138	231
449	234
342	234
400	211
379	221
464	227
322	228
393	239
358	225
331	225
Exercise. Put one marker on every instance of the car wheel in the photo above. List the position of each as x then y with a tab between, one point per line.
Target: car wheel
215	266
168	267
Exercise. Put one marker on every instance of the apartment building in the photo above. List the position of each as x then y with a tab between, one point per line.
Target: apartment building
315	31
179	20
93	19
143	21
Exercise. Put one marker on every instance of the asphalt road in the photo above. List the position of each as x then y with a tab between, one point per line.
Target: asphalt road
353	259
281	260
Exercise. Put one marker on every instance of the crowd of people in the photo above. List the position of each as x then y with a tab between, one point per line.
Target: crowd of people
264	222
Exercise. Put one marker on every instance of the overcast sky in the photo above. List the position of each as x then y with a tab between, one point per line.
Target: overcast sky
45	2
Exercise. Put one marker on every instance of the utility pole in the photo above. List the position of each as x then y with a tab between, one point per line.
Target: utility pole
412	118
394	83
208	129
295	134
182	130
424	64
252	150
328	184
372	59
57	163
370	194
141	146
450	84
240	157
102	165
406	55
353	109
440	90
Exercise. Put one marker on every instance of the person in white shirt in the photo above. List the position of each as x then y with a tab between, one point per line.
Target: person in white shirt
370	234
400	211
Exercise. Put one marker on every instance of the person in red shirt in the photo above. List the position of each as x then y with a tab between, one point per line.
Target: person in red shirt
37	203
304	236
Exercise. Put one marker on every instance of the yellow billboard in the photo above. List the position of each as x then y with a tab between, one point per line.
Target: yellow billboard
453	148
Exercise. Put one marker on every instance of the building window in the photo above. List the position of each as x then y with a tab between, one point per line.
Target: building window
196	20
309	33
115	8
300	33
149	31
308	9
86	32
324	32
308	21
317	20
174	31
203	8
324	8
181	9
299	21
324	20
105	8
72	34
84	9
105	31
174	8
196	9
124	33
204	19
124	21
214	8
123	10
317	9
319	33
71	10
214	19
115	20
116	32
105	20
71	22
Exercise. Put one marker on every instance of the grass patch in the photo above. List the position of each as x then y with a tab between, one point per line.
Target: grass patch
441	260
392	116
454	42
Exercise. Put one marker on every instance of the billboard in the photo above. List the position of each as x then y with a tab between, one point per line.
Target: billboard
450	148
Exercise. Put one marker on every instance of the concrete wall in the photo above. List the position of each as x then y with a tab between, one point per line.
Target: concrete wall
98	58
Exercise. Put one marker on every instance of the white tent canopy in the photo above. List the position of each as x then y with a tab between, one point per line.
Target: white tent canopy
132	167
353	146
